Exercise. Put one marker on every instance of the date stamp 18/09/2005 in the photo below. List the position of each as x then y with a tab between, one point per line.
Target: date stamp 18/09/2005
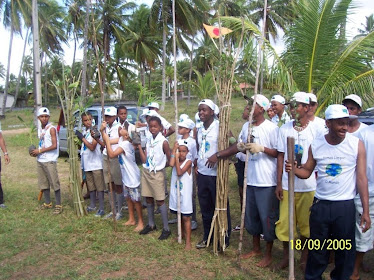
316	244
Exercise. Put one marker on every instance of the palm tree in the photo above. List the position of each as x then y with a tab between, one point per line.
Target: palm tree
367	27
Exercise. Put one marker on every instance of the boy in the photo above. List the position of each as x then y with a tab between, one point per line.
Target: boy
278	105
123	121
47	155
7	160
112	129
353	103
154	160
92	164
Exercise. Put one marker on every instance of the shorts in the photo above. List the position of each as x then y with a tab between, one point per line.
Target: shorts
303	202
183	215
115	170
239	167
133	193
95	180
261	211
153	184
364	241
48	176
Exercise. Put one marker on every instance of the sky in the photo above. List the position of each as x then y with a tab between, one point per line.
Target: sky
364	8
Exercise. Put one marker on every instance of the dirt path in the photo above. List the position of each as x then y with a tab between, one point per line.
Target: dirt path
16	131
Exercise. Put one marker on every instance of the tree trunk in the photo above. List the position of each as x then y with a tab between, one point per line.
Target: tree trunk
20	71
85	43
45	80
163	94
36	59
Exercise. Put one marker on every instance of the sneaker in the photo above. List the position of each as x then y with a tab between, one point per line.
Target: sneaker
100	213
147	229
173	221
193	225
58	209
45	206
237	228
109	216
91	209
202	244
2	205
165	234
119	216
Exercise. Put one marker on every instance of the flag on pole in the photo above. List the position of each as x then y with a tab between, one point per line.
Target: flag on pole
215	32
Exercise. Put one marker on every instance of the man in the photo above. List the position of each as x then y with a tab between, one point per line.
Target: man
304	133
168	129
353	103
341	163
206	168
278	105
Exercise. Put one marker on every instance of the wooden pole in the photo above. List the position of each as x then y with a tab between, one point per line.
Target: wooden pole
291	203
179	218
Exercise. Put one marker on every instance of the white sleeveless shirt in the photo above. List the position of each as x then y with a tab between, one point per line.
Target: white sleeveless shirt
185	186
156	158
336	167
91	160
129	170
113	134
45	141
208	146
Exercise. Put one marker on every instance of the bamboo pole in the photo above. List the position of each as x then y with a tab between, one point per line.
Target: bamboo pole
176	122
291	206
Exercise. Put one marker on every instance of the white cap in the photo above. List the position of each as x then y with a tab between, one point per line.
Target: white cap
198	121
182	142
153	105
208	103
337	111
150	113
355	98
43	111
313	97
216	110
183	117
110	111
278	98
262	101
187	123
301	97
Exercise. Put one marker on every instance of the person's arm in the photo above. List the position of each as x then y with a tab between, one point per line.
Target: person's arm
173	153
362	186
166	149
213	159
111	153
3	148
186	167
102	130
279	189
142	154
90	146
50	148
305	170
170	131
140	124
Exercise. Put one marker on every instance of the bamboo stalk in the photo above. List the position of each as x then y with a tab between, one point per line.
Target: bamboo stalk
291	206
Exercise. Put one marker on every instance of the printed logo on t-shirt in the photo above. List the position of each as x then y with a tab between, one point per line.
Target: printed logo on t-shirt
299	149
120	159
207	146
333	169
180	185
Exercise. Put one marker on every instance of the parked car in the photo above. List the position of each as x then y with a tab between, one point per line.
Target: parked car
367	117
96	113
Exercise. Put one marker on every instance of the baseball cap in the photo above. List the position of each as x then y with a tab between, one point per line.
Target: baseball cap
187	123
301	97
262	101
43	111
150	113
153	105
182	142
208	103
110	111
313	97
183	117
278	98
355	98
337	111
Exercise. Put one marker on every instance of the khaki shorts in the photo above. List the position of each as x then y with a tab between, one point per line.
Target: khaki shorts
95	180
115	170
303	202
153	184
47	175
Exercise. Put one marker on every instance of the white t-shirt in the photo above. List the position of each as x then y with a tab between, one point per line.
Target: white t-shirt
262	168
90	160
156	158
320	126
336	166
303	139
45	141
284	119
242	138
362	126
129	169
113	134
185	185
367	136
208	146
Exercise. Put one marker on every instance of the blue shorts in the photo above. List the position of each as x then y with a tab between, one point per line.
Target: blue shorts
133	193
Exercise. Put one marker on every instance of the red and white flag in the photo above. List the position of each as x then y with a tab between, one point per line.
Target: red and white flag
215	32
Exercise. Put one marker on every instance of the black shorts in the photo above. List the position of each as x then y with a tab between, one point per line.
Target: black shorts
239	167
183	215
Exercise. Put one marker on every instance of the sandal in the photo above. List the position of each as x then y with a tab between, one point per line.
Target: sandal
45	206
58	209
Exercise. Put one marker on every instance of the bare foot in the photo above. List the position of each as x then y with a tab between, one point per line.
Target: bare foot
354	277
188	247
251	254
130	223
265	262
302	266
139	227
283	264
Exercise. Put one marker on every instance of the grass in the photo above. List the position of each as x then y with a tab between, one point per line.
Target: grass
38	245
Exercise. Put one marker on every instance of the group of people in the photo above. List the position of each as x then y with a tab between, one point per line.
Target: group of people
333	159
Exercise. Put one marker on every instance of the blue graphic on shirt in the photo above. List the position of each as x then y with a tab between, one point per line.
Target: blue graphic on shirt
333	169
120	159
299	149
180	185
207	146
